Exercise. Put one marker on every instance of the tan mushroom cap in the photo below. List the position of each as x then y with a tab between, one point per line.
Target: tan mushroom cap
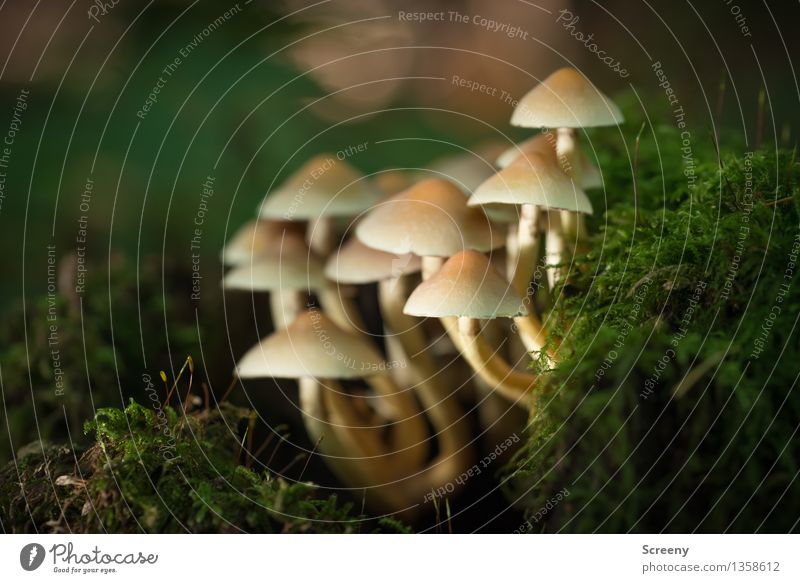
429	219
252	239
312	346
323	187
287	265
566	99
533	179
468	169
466	285
357	264
546	144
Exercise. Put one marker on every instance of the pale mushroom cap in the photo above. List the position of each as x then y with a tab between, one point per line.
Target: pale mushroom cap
287	265
311	346
357	264
544	143
323	187
469	169
466	285
533	179
252	239
429	219
392	181
566	99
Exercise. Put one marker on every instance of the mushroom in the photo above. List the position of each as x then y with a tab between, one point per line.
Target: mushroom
316	352
322	189
566	100
464	291
545	143
252	239
288	270
535	182
355	263
431	219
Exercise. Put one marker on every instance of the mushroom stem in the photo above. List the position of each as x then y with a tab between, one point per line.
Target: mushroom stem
321	236
440	404
284	307
341	308
430	265
529	327
411	433
338	447
554	248
569	159
486	363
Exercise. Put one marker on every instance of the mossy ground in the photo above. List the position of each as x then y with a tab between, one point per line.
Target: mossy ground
674	404
159	471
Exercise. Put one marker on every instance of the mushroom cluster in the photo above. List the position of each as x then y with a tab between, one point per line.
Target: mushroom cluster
453	257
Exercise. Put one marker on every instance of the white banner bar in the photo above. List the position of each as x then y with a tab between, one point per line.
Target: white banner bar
401	558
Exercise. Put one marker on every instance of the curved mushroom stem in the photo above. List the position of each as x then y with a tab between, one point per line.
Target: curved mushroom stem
440	404
284	306
486	363
444	415
521	269
321	236
410	436
340	307
365	472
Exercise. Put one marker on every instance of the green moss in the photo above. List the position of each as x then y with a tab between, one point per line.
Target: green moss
674	405
152	470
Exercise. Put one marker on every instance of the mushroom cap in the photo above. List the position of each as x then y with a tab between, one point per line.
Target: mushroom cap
356	263
466	285
566	99
253	238
429	219
545	144
287	265
323	187
392	181
470	168
311	346
533	179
